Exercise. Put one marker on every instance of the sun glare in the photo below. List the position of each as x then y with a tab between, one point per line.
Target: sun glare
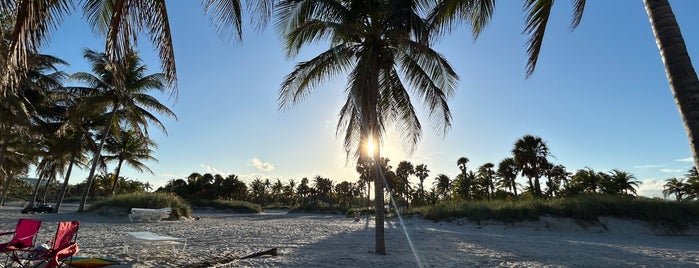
370	147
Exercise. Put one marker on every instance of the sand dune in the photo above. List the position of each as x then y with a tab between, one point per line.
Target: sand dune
317	240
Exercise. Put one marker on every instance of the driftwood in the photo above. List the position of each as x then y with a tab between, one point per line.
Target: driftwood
230	259
271	252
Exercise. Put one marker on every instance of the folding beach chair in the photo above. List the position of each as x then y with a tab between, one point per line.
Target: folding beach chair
23	237
63	247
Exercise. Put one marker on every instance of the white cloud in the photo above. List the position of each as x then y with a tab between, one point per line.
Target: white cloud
212	170
648	166
258	164
688	159
651	188
667	170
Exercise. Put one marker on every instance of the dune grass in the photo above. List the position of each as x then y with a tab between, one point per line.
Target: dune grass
121	204
228	205
674	215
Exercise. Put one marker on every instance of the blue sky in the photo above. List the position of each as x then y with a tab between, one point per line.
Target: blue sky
599	98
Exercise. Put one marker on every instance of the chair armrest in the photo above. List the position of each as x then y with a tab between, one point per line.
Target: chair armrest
7	233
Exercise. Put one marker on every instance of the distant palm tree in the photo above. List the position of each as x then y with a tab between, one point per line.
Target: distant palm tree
487	175
442	185
557	176
403	172
422	173
376	42
530	155
128	103
588	180
507	172
624	182
364	168
461	163
675	186
130	147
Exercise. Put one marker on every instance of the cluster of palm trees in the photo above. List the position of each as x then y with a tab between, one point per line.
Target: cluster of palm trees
56	128
380	44
685	188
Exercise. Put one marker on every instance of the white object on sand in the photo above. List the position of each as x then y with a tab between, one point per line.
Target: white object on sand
149	214
152	239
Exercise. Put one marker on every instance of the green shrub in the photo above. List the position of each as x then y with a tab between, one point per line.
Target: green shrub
228	205
319	207
675	215
120	205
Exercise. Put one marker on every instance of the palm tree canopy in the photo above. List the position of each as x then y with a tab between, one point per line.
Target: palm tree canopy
121	22
381	45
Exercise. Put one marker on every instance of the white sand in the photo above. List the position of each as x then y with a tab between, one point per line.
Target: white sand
316	240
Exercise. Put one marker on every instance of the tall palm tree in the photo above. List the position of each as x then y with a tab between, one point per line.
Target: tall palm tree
403	172
121	22
375	41
461	163
422	173
507	172
129	146
530	155
128	104
364	168
678	66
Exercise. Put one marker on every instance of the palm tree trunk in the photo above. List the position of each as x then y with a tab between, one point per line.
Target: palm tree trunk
46	189
678	68
378	203
64	187
116	177
97	154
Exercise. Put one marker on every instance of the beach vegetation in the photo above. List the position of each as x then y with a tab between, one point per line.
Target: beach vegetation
226	205
119	205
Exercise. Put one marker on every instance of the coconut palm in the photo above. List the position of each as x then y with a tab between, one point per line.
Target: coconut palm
486	174
130	147
442	186
530	155
675	186
673	51
507	172
557	176
587	180
403	172
461	163
422	173
121	22
128	104
375	42
624	182
364	168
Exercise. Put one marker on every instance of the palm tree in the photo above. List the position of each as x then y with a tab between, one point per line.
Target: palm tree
442	184
507	172
422	173
624	182
487	175
131	147
557	176
121	22
675	187
461	163
530	153
373	41
364	168
128	103
403	172
587	180
673	51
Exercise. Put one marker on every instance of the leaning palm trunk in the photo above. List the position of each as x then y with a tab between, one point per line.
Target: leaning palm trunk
678	68
115	180
95	161
64	187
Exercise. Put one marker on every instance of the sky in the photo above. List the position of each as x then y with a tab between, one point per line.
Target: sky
599	98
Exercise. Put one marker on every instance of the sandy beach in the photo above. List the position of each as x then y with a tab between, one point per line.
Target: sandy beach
318	240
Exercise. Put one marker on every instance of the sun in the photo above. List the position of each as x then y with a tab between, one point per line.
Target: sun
370	148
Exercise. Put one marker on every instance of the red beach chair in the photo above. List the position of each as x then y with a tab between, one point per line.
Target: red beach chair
23	237
64	247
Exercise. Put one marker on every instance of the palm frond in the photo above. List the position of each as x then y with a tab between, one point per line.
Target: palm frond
537	16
